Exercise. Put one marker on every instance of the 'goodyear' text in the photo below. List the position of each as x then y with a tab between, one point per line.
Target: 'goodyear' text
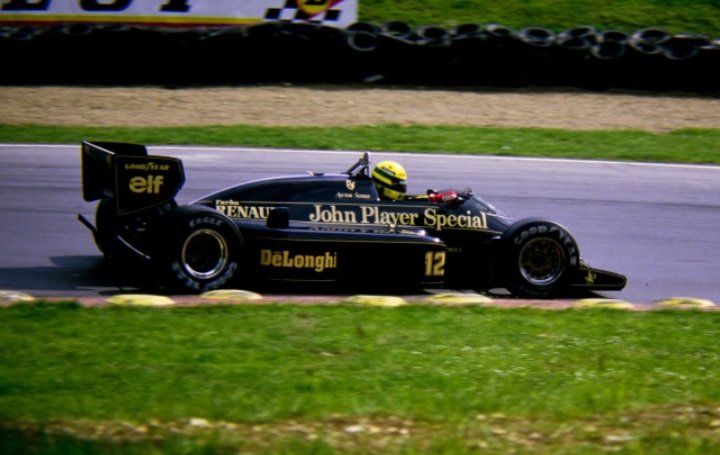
147	166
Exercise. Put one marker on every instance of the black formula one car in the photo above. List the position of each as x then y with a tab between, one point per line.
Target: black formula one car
324	229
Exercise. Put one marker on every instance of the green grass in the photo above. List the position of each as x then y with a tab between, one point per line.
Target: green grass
697	16
685	146
321	379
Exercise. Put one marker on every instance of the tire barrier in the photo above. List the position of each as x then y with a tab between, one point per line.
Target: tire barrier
394	52
397	28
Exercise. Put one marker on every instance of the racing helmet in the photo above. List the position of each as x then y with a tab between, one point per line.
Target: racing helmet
390	178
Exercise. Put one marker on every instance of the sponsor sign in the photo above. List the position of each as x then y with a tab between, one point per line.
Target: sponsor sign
366	215
340	13
146	181
285	259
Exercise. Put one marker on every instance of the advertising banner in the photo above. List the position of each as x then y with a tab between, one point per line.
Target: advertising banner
338	13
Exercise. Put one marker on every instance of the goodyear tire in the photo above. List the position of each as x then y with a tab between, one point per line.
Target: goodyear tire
542	257
198	249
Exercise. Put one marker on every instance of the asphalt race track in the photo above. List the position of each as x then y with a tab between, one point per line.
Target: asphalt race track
658	224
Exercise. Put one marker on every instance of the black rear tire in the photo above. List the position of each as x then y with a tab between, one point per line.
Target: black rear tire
198	249
541	258
107	225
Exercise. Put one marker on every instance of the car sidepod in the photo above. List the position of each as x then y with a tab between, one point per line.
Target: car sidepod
348	258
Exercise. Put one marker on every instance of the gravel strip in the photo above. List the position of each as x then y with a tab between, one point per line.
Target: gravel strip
350	106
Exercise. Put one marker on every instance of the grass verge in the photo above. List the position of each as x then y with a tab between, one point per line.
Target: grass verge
327	379
680	146
700	16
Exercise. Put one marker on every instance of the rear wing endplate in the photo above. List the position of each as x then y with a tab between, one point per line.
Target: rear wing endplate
126	173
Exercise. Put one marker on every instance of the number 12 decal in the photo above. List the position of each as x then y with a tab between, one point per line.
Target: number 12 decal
435	263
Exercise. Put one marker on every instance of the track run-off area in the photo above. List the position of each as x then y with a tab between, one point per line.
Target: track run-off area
655	223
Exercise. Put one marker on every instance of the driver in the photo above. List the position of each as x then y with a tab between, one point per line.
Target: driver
391	181
389	178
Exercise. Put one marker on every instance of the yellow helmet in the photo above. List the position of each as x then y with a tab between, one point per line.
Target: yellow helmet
390	179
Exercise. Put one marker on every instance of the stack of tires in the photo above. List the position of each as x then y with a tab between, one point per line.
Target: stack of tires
496	55
393	52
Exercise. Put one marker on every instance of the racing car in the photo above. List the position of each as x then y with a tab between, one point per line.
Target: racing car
322	229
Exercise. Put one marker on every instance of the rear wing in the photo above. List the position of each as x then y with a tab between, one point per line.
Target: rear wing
126	173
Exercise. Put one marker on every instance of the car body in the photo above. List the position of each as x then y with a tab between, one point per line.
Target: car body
324	230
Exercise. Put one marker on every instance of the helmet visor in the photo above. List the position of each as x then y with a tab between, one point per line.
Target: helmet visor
399	186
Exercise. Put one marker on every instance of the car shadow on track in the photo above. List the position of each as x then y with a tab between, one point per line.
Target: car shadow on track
71	276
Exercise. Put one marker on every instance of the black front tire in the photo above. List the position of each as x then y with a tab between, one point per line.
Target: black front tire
541	258
198	249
